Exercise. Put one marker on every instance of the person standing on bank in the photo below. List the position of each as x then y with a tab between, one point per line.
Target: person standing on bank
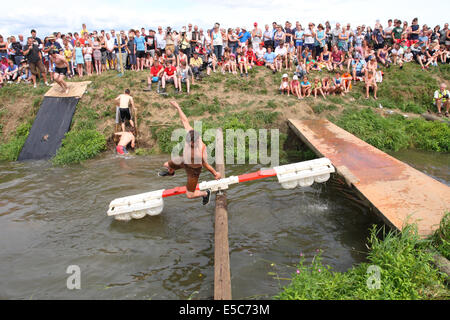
124	101
34	58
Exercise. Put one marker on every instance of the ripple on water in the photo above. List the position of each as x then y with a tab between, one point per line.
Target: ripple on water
53	217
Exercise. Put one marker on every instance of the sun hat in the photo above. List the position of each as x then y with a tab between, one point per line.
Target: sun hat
295	77
285	75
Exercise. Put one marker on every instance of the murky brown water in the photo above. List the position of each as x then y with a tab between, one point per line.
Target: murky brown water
51	218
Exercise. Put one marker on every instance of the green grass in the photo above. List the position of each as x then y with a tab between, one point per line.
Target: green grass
10	151
440	240
322	106
241	120
79	145
403	260
395	133
409	89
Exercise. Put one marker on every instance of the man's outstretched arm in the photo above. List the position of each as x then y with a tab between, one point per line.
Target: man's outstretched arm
183	117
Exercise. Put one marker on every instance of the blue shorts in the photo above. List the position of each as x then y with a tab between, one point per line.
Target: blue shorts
298	43
310	46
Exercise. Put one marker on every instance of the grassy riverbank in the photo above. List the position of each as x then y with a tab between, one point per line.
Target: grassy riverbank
404	261
232	102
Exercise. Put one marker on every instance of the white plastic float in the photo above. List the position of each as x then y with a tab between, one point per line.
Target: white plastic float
302	174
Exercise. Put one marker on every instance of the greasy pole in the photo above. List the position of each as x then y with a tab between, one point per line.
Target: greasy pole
222	281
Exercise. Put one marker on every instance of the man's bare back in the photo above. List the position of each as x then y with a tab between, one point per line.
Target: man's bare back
126	138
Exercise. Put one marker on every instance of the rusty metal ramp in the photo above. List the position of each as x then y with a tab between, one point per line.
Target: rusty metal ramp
399	192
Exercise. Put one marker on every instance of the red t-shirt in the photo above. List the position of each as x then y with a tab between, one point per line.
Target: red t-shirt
336	56
155	70
251	56
170	70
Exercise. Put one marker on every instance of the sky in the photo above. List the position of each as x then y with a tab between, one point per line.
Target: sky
47	16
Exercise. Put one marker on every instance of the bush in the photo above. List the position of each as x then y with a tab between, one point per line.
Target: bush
78	146
380	132
441	237
395	132
10	151
405	265
429	135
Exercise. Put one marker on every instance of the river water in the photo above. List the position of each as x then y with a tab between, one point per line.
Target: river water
52	218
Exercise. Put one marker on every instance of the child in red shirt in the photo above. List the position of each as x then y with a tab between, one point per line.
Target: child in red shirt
156	72
169	75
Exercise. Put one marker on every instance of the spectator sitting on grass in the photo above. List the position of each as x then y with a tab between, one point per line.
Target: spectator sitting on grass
211	63
12	72
24	72
156	72
300	70
284	87
326	86
317	87
358	68
281	53
242	61
442	98
269	59
295	87
371	83
169	75
260	52
338	84
196	64
183	74
397	55
408	57
306	87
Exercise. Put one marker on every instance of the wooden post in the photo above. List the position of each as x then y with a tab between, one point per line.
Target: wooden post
119	43
222	281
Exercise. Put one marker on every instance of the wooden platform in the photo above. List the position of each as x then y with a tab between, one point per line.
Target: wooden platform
76	89
399	192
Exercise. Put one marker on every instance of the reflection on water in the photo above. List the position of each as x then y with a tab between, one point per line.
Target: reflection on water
434	164
51	218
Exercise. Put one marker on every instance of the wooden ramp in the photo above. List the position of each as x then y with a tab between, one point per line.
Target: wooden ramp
76	89
399	192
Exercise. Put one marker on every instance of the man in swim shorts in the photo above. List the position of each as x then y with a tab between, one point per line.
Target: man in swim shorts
61	69
124	101
193	159
125	139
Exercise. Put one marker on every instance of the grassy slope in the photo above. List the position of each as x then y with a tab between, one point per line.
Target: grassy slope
229	101
405	264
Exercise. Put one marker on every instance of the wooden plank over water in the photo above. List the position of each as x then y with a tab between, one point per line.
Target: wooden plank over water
222	279
399	192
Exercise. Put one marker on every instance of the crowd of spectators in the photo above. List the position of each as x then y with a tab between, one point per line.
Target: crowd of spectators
181	57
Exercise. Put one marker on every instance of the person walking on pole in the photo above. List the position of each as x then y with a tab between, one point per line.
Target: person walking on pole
193	160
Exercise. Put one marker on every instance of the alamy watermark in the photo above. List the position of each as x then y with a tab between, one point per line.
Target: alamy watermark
374	280
74	280
240	147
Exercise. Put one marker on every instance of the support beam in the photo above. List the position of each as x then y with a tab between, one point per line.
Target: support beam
222	279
